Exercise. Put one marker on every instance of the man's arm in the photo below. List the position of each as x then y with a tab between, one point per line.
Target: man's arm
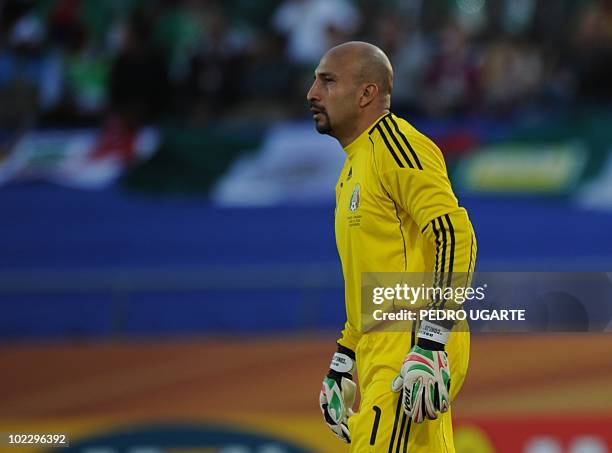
452	239
425	193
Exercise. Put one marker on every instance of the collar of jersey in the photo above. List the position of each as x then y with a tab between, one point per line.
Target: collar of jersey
362	140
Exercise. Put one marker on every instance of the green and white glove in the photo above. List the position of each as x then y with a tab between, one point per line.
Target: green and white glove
425	378
338	393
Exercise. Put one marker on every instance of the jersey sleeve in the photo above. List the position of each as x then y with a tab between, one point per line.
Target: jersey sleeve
350	337
415	177
413	173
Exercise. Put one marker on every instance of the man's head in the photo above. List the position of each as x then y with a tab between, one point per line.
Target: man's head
352	85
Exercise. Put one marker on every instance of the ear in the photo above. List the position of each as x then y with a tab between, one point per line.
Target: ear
369	92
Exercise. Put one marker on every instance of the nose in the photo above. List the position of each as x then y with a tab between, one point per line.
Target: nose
312	94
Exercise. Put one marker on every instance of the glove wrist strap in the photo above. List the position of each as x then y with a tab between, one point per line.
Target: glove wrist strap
343	361
433	332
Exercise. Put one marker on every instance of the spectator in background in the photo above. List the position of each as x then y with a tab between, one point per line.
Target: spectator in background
402	41
216	68
314	26
85	66
592	53
86	76
72	61
177	31
268	81
452	82
30	78
64	22
511	74
139	92
139	86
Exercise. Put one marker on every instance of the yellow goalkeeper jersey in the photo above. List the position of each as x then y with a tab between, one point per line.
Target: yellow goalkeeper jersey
396	212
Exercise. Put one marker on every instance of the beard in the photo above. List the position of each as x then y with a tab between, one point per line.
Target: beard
323	125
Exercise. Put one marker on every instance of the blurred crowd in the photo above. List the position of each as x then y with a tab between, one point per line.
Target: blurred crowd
85	61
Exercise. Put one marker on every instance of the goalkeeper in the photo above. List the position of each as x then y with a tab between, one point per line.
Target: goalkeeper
395	212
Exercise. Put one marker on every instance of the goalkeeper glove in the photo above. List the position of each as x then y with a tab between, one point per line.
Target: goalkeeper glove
338	393
425	378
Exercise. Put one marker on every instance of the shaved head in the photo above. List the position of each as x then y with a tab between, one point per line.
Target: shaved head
368	62
352	88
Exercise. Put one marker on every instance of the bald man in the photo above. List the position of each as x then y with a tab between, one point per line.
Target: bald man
395	212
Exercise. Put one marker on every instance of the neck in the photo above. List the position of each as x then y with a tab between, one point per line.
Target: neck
360	125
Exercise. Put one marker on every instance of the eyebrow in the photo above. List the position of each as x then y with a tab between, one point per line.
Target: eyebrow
325	74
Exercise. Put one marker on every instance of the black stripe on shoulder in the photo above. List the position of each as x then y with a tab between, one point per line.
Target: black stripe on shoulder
397	143
373	128
405	140
384	137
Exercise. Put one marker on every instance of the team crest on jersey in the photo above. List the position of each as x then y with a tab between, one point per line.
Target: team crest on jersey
354	199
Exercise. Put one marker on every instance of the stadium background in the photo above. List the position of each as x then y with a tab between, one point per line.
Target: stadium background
168	273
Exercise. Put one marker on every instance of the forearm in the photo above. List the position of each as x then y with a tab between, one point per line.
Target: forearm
453	246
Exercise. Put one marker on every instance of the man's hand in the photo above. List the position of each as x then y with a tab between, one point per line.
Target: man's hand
338	393
425	379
